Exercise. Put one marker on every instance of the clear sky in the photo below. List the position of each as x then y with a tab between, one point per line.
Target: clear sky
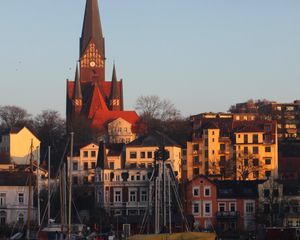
203	55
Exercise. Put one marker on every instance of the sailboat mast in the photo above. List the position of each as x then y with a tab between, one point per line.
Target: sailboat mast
30	193
38	186
49	186
70	186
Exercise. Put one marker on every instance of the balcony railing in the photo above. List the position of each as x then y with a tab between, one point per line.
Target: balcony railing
227	214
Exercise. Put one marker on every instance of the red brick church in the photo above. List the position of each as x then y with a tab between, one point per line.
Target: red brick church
90	96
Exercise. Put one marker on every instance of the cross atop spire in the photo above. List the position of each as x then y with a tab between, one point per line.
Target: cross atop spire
92	29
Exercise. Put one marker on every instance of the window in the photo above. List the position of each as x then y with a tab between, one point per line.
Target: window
132	177
85	154
245	150
86	166
2	218
144	196
21	198
268	161
196	191
207	208
196	208
196	171
267	149
75	166
85	180
245	162
256	174
246	138
268	174
232	207
93	153
149	155
118	178
222	207
118	196
142	165
195	147
196	159
21	218
255	150
207	191
111	165
255	162
93	165
2	199
75	180
143	155
249	207
132	196
132	155
266	208
255	138
206	153
266	193
222	161
222	147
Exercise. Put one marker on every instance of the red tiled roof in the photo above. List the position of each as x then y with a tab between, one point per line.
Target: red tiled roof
101	117
97	103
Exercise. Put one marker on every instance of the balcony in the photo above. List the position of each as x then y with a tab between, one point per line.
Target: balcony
227	215
224	151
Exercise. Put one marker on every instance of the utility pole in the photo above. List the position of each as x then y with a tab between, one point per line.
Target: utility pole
70	187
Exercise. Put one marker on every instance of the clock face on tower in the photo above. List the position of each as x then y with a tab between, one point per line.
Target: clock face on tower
92	64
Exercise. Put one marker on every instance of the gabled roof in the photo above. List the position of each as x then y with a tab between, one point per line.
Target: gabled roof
152	139
101	118
97	102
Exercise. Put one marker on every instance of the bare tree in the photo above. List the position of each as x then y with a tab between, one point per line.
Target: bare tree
13	116
246	165
271	202
153	107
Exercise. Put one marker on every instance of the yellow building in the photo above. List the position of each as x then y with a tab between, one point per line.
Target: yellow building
16	144
209	154
256	152
226	148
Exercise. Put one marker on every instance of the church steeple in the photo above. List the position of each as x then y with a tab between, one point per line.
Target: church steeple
114	92
92	49
92	29
77	93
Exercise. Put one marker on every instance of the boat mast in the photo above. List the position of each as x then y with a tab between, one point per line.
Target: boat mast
38	186
49	186
30	193
70	186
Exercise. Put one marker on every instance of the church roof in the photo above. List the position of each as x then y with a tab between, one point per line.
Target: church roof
102	118
92	29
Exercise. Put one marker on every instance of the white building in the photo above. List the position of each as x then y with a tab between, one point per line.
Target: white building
14	198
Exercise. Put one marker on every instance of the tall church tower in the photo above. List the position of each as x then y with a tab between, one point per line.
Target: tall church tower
90	97
92	51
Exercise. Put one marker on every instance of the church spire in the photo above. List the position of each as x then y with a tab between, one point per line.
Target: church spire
92	30
114	85
77	87
77	93
114	92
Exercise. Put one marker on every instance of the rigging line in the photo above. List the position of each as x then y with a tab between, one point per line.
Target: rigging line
57	174
73	202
